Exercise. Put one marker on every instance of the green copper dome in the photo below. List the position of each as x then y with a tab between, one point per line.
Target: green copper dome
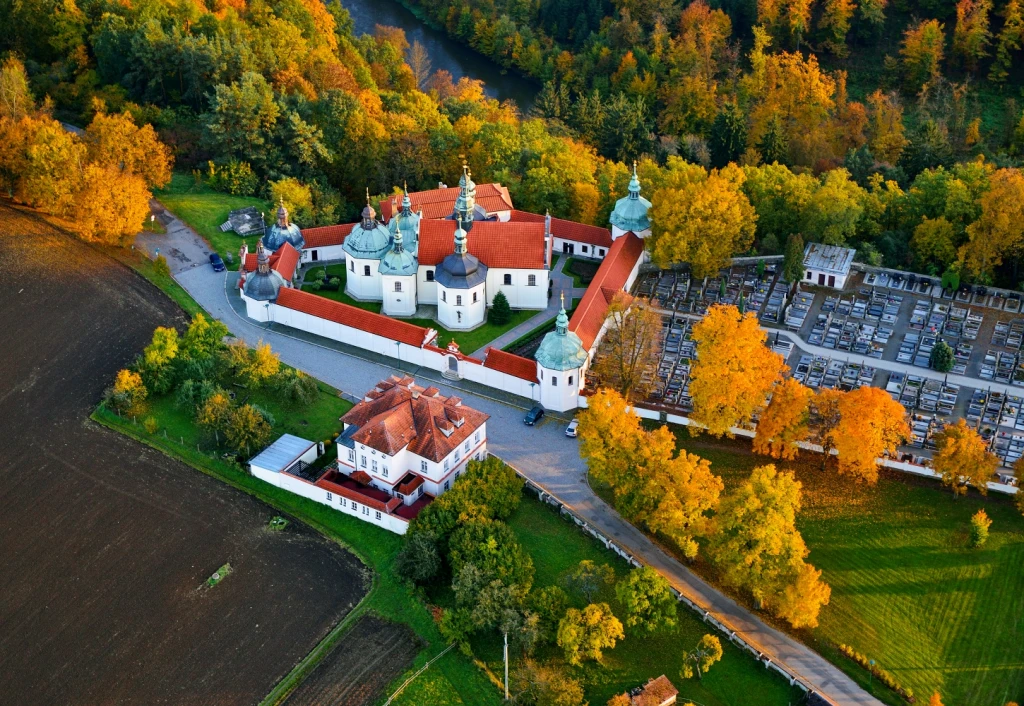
283	231
560	349
398	261
408	222
370	239
630	212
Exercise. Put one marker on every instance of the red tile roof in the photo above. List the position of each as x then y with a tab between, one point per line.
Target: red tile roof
512	364
568	230
440	203
284	261
496	244
327	235
318	306
371	497
611	277
656	692
397	415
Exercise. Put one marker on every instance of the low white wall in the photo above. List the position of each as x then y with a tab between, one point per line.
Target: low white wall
306	489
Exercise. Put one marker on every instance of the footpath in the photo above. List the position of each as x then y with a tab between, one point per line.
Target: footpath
543	454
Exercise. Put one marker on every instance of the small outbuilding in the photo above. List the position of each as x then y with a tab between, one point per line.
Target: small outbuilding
289	454
827	265
656	692
245	222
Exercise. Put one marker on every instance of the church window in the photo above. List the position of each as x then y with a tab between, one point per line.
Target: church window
570	379
531	281
554	382
366	270
586	248
430	275
600	252
398	286
474	297
444	296
423	466
508	279
458	300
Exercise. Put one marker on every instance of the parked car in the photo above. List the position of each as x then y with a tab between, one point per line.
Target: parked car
573	426
218	264
533	416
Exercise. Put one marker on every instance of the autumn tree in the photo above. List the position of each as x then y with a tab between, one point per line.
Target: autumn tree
114	141
871	424
933	243
110	205
935	699
834	24
801	601
971	34
702	657
647	599
834	211
129	393
702	219
545	685
980	524
631	346
588	577
827	407
16	100
999	232
262	365
872	12
734	370
784	422
962	458
586	634
215	414
885	129
922	51
247	429
669	493
1009	41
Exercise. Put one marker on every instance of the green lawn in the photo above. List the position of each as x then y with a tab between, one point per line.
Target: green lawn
469	341
557	545
205	210
907	591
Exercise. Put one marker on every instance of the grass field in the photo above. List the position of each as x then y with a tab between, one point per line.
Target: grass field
205	210
557	545
907	590
469	341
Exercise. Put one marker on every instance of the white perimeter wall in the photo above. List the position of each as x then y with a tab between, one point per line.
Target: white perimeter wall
596	252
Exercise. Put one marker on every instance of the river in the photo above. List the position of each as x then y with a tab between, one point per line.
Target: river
444	52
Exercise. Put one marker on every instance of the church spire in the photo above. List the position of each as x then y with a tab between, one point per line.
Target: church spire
460	238
406	201
634	184
262	259
562	322
398	246
282	215
368	213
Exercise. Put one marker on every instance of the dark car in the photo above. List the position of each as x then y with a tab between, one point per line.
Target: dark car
533	416
218	264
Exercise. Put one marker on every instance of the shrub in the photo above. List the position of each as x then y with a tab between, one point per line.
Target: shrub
233	177
315	285
980	523
335	282
150	425
419	561
941	358
267	416
161	267
500	312
296	386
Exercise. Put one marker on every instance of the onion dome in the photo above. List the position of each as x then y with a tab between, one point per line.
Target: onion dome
283	231
630	213
408	221
560	349
398	261
370	239
460	270
465	202
264	283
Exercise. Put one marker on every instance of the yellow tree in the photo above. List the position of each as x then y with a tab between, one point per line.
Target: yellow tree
704	221
871	423
631	346
886	127
932	243
826	403
586	634
52	160
128	395
247	429
110	205
922	52
999	232
835	24
215	414
935	700
962	458
734	370
116	141
801	601
757	545
971	34
784	422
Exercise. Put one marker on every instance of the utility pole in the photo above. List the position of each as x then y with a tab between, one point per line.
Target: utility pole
506	666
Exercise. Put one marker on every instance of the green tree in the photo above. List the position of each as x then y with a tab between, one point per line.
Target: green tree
647	599
243	120
588	577
549	604
932	244
980	524
834	211
1008	42
701	658
728	135
586	634
491	546
499	313
773	144
941	358
418	560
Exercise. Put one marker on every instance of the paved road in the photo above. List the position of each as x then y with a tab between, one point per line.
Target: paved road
542	453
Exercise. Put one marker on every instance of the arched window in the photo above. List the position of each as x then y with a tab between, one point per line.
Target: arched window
531	281
508	279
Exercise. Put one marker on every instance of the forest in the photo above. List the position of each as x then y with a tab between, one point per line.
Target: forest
892	128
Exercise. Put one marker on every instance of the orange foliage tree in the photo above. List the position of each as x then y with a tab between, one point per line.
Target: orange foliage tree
871	423
784	422
962	458
734	370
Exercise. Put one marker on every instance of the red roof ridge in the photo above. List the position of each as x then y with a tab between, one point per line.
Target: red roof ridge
347	315
323	236
500	244
511	364
589	316
568	230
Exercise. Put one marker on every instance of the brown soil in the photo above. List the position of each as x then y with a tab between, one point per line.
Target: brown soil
373	653
105	543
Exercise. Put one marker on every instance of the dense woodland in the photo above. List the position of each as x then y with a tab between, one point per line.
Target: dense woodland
746	135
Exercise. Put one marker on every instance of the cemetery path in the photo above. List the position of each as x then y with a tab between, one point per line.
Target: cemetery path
542	453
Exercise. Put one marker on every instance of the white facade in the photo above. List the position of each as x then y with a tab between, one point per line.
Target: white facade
323	253
559	389
827	265
364	279
524	289
399	295
257	310
426	287
577	248
461	308
618	232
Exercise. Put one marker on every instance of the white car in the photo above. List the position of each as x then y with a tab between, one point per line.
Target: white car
573	426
